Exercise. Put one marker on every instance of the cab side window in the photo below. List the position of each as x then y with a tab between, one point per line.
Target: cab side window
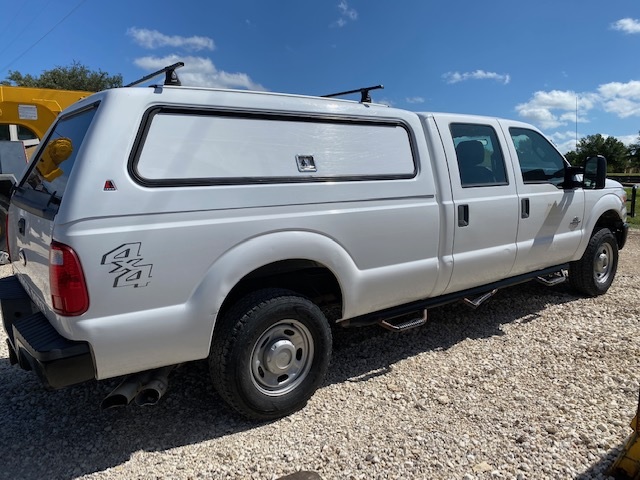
539	161
480	159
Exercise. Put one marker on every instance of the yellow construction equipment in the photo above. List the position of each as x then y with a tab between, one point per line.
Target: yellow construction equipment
627	465
34	108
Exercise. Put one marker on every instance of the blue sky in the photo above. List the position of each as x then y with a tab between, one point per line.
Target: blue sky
524	60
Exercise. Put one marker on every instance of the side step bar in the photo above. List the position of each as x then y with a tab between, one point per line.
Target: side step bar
476	302
553	279
431	302
402	323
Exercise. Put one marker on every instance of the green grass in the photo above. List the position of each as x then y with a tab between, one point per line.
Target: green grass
634	222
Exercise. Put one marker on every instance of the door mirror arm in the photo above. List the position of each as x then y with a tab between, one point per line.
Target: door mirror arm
569	177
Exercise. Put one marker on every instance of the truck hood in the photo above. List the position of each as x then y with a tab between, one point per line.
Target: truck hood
612	184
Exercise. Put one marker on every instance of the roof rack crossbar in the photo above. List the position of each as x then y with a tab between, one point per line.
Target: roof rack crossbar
170	78
364	93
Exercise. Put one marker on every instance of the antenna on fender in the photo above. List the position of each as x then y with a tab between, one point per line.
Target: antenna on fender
364	93
170	75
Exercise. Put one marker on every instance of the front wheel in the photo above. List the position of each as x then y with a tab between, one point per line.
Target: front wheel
270	353
593	274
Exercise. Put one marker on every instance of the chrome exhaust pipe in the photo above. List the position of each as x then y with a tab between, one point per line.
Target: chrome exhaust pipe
155	388
122	395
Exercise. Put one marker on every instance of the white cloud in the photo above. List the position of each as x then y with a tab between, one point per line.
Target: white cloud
556	108
456	77
621	99
616	89
200	72
152	39
414	100
627	25
628	139
565	141
347	14
539	116
622	107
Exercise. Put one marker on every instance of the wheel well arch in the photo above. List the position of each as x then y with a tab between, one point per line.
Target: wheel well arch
305	277
611	220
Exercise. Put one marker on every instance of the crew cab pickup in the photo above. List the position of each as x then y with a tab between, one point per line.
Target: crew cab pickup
158	226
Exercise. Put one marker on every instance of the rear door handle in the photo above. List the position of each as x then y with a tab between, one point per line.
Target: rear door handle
463	215
524	208
21	226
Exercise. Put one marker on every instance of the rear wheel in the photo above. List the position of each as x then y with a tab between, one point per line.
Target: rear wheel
593	274
270	353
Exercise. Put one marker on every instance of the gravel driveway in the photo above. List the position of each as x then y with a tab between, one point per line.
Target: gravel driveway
537	383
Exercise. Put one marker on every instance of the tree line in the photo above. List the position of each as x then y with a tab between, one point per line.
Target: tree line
71	77
621	158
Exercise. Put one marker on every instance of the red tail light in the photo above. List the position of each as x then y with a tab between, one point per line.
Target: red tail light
69	293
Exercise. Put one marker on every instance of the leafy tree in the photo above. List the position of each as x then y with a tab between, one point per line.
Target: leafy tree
573	158
73	77
616	152
634	154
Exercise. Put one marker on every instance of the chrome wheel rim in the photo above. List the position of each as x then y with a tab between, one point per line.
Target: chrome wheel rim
281	358
603	263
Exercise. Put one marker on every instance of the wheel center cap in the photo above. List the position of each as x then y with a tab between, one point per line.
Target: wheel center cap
279	356
601	262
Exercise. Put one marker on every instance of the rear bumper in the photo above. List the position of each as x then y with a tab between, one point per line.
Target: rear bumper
35	345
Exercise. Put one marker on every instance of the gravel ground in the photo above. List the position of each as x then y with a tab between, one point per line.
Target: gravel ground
537	383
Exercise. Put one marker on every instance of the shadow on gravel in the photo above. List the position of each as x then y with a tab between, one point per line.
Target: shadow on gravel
599	469
64	434
362	353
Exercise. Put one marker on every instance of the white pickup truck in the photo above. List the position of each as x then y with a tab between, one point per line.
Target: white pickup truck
162	225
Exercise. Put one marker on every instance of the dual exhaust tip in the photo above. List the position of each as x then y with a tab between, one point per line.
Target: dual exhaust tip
144	388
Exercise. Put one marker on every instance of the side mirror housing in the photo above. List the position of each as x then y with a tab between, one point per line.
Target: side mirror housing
595	173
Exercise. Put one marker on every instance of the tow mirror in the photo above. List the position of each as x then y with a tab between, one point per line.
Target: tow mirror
595	172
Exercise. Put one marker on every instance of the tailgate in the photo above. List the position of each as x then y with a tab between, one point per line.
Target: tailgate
37	200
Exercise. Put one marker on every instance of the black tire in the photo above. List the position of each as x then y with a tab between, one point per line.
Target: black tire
270	353
593	274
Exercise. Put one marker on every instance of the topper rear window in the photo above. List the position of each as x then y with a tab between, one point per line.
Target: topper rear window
42	189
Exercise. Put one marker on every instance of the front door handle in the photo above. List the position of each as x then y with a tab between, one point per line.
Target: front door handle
21	226
463	215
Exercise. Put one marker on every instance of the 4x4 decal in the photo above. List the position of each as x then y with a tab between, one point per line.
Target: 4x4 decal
128	270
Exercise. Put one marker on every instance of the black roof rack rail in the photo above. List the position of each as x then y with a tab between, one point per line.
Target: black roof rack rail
170	75
364	93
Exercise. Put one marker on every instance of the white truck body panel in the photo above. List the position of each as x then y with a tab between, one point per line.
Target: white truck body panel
178	194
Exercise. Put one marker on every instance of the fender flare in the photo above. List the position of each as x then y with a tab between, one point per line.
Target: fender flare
607	203
235	264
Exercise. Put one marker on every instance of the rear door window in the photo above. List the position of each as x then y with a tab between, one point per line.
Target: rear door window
44	186
480	159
